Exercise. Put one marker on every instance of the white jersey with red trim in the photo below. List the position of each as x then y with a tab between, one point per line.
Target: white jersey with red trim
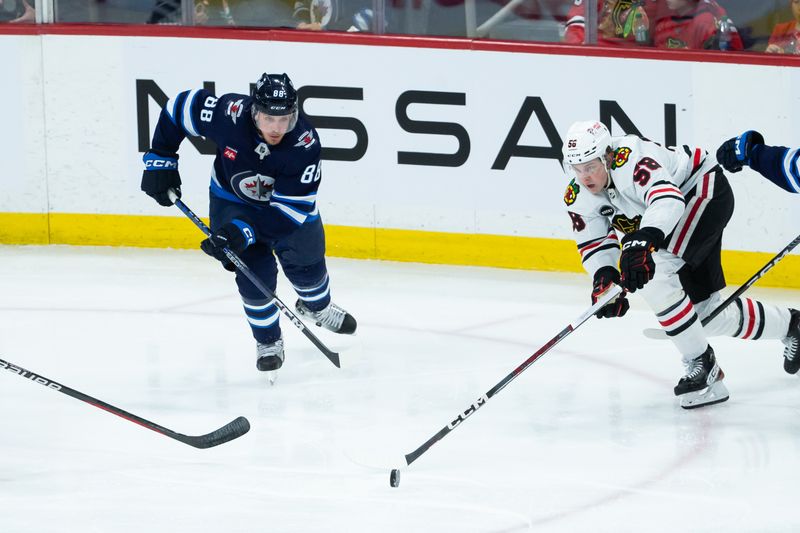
681	192
648	188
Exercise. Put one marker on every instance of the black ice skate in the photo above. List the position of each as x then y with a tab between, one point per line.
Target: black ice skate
270	358
702	384
333	317
791	354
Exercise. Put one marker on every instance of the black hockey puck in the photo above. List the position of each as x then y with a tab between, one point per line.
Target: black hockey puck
394	478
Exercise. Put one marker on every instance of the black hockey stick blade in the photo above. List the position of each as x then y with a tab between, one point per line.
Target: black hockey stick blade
226	433
609	295
332	356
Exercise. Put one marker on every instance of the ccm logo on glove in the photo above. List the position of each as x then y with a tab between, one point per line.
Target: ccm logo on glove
161	163
247	231
631	244
236	235
636	263
160	175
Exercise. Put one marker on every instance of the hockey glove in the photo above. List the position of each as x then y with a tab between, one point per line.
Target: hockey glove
636	261
161	174
735	153
236	236
604	279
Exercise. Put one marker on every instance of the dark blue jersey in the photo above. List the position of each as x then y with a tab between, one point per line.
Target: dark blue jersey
778	164
280	180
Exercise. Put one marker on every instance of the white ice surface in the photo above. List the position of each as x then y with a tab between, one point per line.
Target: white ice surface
589	438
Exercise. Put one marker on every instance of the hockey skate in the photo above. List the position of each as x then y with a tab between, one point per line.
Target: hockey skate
270	358
332	318
702	384
791	354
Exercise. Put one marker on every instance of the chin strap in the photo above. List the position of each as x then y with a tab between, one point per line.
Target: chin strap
609	183
607	166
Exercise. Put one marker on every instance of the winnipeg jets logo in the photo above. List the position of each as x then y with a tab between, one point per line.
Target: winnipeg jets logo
262	150
321	11
234	110
306	140
253	187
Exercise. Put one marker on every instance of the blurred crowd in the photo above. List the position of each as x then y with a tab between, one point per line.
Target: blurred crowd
771	26
689	24
17	11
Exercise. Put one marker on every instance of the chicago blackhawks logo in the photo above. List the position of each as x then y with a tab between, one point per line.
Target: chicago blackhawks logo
672	42
252	187
613	18
572	193
621	156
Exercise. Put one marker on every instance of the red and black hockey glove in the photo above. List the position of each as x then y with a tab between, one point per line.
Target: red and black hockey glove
636	261
604	279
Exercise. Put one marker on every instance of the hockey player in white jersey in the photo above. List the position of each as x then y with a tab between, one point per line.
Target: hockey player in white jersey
671	205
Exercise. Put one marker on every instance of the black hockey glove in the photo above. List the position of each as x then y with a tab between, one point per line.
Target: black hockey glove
161	174
236	236
636	261
604	279
735	153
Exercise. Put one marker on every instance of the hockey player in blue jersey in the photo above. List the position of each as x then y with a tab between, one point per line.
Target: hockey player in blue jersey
779	164
263	194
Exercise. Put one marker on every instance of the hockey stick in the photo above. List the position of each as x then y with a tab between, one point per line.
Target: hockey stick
660	334
606	298
244	269
228	432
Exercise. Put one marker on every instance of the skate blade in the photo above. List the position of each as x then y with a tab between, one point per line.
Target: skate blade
716	393
272	377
